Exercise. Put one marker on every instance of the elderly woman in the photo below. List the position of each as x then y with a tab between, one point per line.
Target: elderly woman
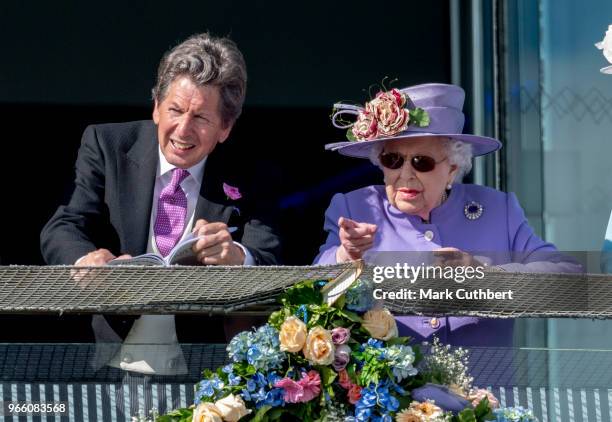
414	136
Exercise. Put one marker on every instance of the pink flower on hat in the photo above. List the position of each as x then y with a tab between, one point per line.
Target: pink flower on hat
365	127
231	192
389	112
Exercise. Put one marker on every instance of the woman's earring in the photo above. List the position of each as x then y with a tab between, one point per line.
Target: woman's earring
449	186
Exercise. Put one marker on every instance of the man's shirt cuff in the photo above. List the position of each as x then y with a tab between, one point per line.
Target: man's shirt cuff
248	258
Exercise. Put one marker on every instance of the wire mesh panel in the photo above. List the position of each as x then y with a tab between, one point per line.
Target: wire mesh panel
227	289
145	289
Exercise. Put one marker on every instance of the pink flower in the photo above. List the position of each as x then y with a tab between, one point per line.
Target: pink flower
311	382
344	380
389	112
306	389
340	335
231	192
354	393
477	395
365	126
294	392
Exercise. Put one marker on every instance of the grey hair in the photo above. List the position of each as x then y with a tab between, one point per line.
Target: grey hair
459	154
206	60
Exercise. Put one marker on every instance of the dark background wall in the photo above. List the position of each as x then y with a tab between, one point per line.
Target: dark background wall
68	64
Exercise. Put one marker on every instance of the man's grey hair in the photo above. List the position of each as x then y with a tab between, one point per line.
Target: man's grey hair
206	60
459	153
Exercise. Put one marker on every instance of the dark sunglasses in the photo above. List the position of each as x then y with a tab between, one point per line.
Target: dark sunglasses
421	163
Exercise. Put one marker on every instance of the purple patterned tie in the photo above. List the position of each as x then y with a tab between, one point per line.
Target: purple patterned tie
171	212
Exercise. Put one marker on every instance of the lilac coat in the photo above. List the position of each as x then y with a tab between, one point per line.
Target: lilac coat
502	234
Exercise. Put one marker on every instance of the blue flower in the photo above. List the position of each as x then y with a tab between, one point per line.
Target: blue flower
253	355
205	390
239	345
251	385
362	414
261	391
376	402
274	398
400	359
232	378
273	378
359	297
260	348
302	312
375	343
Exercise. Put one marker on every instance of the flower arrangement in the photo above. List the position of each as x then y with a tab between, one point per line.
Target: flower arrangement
385	115
340	361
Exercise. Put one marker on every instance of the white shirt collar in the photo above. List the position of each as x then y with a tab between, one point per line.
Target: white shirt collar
195	171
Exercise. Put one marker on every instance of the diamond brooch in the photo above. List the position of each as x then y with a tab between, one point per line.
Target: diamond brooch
472	210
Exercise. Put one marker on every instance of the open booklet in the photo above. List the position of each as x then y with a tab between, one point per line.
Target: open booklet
181	254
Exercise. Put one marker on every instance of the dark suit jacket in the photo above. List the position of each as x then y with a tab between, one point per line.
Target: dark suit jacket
110	206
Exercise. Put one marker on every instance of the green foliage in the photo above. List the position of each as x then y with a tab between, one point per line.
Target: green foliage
328	375
261	414
178	415
350	135
404	401
398	341
304	292
483	411
374	368
275	414
466	415
277	318
351	316
419	117
243	369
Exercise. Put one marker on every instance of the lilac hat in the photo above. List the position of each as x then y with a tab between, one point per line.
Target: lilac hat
428	110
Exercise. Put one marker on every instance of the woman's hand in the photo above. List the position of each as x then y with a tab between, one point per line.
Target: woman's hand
453	257
355	239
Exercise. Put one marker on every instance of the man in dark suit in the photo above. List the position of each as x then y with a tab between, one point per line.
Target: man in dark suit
143	186
121	204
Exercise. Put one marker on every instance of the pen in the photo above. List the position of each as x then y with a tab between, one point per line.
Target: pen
231	229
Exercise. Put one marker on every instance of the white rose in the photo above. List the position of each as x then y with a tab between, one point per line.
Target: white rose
319	348
292	335
232	408
606	44
207	412
380	324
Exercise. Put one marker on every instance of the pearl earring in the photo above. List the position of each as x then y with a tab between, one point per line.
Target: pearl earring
449	186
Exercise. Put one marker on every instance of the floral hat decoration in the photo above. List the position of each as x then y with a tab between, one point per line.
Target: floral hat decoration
428	110
606	46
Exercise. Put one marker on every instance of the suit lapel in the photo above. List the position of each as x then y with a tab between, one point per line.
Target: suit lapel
209	206
137	172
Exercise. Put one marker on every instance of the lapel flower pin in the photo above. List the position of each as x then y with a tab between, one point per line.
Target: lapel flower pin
231	192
